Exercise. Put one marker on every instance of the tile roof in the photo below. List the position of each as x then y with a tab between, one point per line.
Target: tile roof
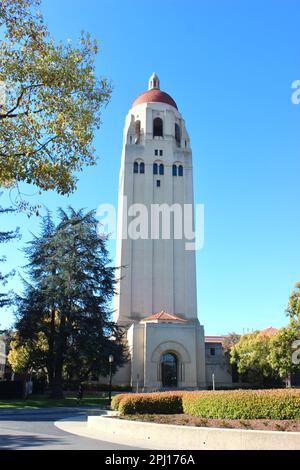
269	331
154	96
163	316
214	339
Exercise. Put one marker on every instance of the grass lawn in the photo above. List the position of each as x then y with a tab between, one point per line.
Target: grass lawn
40	401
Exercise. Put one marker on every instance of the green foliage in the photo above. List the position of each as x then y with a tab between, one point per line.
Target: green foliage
282	344
251	353
53	101
270	356
281	350
67	300
293	308
237	404
28	356
44	402
246	404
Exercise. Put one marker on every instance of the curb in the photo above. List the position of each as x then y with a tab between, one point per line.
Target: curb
169	437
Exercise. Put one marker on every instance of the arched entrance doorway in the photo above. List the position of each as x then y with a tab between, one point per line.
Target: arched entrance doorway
169	370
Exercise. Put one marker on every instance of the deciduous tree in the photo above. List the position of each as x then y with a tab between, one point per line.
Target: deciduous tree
51	101
251	354
281	352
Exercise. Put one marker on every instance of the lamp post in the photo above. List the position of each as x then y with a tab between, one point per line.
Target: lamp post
110	360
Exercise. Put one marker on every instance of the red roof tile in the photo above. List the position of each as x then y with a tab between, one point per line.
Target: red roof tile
164	316
214	339
269	331
154	96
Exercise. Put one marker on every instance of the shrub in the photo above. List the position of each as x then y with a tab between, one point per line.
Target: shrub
115	401
143	403
235	404
243	404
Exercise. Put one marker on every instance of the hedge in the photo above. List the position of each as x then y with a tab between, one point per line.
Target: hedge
236	404
243	404
115	401
144	403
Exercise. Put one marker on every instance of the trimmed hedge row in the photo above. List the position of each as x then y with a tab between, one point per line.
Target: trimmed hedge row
236	404
143	403
243	404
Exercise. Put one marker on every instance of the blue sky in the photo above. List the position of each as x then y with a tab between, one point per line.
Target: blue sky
229	65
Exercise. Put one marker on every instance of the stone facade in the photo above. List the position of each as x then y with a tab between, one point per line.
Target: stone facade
216	363
158	273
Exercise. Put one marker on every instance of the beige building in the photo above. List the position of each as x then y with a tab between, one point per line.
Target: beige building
217	367
156	298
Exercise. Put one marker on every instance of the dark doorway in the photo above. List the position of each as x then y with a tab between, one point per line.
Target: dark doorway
169	370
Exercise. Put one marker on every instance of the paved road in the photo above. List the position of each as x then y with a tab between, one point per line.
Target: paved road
34	429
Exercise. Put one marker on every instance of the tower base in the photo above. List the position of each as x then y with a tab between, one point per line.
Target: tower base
164	356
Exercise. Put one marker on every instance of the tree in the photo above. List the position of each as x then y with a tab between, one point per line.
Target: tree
52	101
281	346
67	299
293	308
25	358
251	354
5	237
281	352
229	341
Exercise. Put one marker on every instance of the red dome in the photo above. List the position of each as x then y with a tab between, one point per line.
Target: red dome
154	96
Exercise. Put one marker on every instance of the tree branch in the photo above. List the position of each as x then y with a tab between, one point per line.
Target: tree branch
19	99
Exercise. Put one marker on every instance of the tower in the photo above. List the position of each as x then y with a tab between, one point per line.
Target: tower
156	297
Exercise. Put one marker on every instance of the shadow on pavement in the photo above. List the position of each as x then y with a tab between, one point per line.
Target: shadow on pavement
46	414
11	442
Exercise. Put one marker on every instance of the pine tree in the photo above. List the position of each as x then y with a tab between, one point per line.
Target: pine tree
67	299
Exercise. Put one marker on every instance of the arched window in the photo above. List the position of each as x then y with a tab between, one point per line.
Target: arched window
169	370
142	167
174	170
137	132
177	134
155	168
135	167
180	170
161	169
157	127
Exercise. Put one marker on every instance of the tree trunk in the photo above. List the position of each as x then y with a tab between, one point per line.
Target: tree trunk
51	358
57	386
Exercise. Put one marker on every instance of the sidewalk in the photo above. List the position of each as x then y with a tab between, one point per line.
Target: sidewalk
78	425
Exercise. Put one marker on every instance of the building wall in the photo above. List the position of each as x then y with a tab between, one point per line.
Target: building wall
149	341
216	364
156	274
